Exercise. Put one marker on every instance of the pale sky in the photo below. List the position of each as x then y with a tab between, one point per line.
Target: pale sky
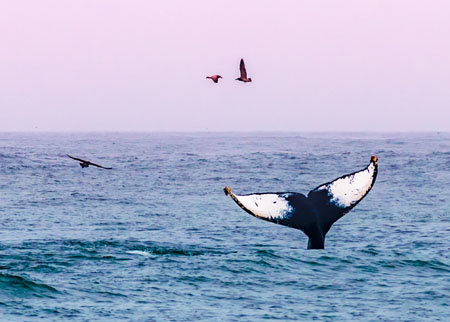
108	65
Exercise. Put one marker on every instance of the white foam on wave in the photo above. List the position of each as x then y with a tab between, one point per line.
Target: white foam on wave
138	252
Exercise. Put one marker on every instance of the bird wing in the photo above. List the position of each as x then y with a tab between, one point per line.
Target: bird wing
275	207
99	166
78	159
334	199
242	68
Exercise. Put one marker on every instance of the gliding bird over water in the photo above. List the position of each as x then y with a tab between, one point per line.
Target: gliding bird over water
243	71
86	163
214	78
313	214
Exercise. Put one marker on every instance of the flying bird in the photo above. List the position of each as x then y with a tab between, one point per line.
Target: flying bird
316	213
86	163
214	78
243	77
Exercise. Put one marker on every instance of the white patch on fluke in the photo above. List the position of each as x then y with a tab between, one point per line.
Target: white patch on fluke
349	190
268	205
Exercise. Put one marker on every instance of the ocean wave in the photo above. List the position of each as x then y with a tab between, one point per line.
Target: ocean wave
17	286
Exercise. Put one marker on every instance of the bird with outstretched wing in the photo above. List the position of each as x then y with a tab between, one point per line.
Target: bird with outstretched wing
86	163
243	72
214	78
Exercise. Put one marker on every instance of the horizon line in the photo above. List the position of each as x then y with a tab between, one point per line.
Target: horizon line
219	131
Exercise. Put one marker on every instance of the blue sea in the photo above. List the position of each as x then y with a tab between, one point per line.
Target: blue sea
156	239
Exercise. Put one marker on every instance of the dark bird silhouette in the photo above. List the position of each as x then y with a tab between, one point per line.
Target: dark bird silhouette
86	163
243	77
215	78
316	213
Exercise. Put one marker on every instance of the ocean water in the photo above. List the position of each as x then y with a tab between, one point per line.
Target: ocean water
156	238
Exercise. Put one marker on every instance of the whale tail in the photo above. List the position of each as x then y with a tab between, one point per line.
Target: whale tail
313	214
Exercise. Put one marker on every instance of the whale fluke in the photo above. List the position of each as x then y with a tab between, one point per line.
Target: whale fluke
316	213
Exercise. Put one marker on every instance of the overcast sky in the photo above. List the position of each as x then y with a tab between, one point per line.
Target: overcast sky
141	65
